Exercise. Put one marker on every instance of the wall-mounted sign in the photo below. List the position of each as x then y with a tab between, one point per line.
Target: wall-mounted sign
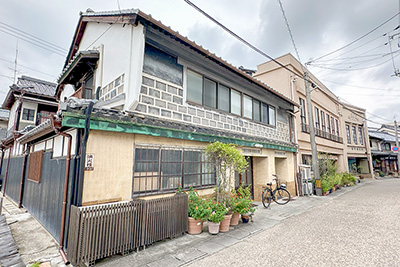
89	162
251	151
395	149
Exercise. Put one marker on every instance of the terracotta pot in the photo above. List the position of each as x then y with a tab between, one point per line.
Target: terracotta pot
195	226
235	219
213	228
224	226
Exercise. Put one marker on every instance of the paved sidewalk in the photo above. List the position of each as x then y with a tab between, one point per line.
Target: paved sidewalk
187	249
34	243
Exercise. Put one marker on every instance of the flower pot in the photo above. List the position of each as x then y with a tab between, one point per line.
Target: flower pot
224	226
213	228
245	218
235	219
195	226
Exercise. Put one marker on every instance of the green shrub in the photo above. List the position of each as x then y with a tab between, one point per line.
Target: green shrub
198	207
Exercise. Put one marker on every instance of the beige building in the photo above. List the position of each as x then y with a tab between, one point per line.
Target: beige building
331	117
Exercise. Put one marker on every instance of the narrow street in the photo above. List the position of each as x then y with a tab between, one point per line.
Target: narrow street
359	228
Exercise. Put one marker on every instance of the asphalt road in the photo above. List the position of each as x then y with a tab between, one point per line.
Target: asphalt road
359	228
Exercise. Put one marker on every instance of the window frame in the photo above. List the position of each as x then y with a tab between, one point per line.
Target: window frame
29	110
348	134
360	135
354	131
303	115
316	116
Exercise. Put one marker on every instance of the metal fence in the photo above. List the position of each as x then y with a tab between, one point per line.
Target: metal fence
99	231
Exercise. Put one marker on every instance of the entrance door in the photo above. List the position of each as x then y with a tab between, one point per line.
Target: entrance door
245	178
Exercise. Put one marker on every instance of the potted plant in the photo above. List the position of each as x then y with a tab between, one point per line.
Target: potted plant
198	212
242	204
216	215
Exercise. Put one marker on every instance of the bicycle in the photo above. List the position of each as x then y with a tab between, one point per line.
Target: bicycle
280	195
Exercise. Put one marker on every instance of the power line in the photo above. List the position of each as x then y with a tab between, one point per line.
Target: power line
360	86
289	30
31	42
241	39
26	67
343	47
31	36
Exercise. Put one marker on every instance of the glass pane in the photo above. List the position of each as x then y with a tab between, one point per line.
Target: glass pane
210	93
247	107
256	110
223	98
194	87
236	104
171	168
264	113
271	115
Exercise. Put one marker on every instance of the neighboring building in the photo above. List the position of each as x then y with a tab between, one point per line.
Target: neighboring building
4	115
328	114
385	162
30	102
357	149
169	98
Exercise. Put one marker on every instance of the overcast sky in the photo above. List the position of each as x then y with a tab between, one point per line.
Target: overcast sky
362	73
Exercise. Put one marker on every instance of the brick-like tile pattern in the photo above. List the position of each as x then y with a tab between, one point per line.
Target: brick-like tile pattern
161	99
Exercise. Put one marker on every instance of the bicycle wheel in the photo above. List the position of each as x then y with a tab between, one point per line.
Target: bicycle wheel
267	197
282	196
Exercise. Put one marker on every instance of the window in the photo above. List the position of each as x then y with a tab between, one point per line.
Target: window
360	135
316	118
337	127
353	128
35	166
162	65
271	113
333	125
210	93
328	124
265	116
348	134
323	120
158	169
28	114
303	111
236	102
194	87
386	146
223	98
247	107
256	110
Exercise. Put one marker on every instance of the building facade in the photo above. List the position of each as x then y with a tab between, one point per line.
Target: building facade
329	114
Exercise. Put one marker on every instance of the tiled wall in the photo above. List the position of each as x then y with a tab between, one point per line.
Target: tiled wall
165	100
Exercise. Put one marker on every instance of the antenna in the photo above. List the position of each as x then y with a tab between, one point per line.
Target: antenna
15	64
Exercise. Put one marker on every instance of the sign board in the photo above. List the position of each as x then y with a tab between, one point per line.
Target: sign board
395	149
89	162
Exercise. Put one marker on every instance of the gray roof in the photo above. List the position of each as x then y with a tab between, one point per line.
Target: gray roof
381	135
92	13
37	86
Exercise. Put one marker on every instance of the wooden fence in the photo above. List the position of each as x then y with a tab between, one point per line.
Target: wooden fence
99	231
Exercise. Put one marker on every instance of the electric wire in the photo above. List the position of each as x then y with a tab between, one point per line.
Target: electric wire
363	87
32	37
356	40
26	67
242	40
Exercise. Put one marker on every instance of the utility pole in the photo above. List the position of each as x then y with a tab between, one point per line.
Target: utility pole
314	154
397	145
15	64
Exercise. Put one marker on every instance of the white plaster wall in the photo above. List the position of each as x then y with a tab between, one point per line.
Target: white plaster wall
49	144
39	146
121	52
13	114
29	105
58	146
68	90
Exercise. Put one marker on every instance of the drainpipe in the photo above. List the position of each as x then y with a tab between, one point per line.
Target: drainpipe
8	166
83	152
21	188
66	178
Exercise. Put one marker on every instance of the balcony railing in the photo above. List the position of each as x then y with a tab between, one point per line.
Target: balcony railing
305	128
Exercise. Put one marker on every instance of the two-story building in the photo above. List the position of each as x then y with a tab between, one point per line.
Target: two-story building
329	114
385	162
151	101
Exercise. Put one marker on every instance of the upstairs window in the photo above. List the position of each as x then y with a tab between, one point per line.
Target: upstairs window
28	114
236	102
323	120
317	118
303	111
272	118
353	128
348	134
210	93
328	123
256	110
360	135
333	125
194	87
247	107
337	127
223	98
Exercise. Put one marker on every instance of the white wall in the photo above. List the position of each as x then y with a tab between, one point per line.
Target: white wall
67	92
13	114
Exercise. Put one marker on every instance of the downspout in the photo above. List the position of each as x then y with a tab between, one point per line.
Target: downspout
83	152
8	166
21	188
66	178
